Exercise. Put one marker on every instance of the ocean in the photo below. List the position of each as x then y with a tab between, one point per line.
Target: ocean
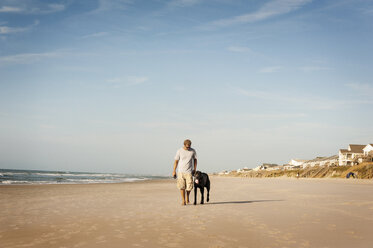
9	176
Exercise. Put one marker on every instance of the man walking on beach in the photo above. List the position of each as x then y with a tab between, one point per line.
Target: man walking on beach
186	164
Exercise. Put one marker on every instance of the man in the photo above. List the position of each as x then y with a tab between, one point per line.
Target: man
186	164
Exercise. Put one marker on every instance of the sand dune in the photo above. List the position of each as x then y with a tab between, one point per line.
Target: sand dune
242	213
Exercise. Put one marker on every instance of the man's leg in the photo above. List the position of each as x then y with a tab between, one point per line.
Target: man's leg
182	191
189	185
187	196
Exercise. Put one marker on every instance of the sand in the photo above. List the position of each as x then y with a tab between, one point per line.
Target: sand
242	213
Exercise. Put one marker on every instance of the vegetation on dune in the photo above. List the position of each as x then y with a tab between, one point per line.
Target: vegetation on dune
361	171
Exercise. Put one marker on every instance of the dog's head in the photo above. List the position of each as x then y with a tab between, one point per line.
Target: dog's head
197	177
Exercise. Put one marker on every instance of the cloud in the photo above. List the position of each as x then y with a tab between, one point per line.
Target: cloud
368	11
10	9
130	80
94	35
311	102
106	5
30	7
10	30
25	58
50	8
268	10
363	89
306	101
239	49
313	68
183	3
270	69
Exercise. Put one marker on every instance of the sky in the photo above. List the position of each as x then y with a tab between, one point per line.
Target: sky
117	85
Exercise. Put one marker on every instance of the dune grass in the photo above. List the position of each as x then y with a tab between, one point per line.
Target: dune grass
361	171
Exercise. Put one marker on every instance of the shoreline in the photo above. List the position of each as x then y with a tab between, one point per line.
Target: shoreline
99	183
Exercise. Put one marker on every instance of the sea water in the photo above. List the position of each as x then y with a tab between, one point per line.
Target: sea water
9	176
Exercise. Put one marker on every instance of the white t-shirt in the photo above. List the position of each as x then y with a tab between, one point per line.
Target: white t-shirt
186	159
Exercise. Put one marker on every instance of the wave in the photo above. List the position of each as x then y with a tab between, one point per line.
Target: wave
72	181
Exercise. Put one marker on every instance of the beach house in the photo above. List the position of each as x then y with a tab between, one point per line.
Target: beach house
297	162
313	162
330	161
368	150
267	166
351	155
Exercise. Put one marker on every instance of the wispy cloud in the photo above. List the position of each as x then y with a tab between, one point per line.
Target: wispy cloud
25	58
106	5
30	7
368	11
50	8
239	49
363	89
268	10
10	9
270	69
129	80
183	3
314	68
311	102
94	35
9	30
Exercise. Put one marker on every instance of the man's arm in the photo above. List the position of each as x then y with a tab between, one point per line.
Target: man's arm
195	166
175	166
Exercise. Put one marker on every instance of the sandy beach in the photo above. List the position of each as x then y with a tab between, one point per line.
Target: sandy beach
242	213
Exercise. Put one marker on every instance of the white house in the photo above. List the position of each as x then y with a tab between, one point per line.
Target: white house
313	162
291	167
297	162
266	166
368	150
329	161
351	155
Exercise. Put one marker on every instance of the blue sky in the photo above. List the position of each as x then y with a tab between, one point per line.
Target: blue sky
117	85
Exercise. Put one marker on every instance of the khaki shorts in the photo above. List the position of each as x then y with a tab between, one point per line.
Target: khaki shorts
184	181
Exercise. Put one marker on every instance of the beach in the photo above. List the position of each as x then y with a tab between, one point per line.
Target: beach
242	212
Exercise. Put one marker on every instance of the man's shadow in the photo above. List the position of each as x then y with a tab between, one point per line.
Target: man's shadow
240	202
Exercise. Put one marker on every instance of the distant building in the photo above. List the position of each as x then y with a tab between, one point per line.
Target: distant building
291	167
330	161
313	162
368	150
224	172
266	166
351	155
297	162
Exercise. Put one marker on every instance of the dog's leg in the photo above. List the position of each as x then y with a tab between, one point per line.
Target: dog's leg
195	194
202	190
208	191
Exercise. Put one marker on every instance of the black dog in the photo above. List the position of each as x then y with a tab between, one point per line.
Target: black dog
201	180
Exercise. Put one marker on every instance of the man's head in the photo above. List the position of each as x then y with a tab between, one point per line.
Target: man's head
187	143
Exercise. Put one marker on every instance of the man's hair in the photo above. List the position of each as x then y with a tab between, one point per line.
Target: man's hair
187	142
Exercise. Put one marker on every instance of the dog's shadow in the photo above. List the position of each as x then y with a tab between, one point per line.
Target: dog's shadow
240	202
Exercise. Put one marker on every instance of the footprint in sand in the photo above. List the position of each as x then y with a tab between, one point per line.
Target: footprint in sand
332	227
101	239
80	244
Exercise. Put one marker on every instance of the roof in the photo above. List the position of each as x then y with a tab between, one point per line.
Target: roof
356	148
300	160
330	158
315	159
343	150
